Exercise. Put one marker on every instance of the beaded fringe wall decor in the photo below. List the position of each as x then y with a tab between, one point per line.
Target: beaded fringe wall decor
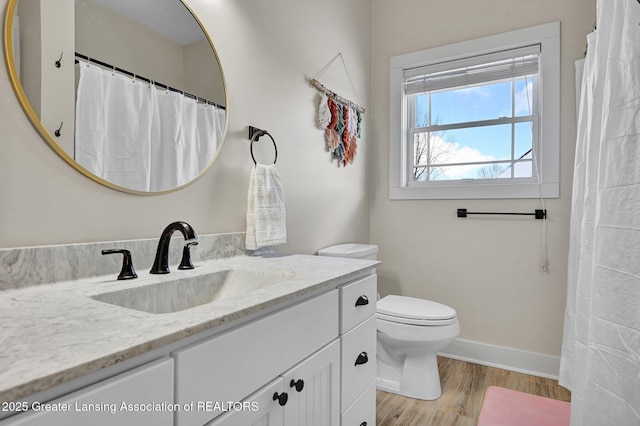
340	119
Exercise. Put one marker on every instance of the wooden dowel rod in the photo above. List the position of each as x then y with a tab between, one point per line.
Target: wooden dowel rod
315	83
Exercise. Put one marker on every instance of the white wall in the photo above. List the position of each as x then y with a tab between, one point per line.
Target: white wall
268	51
202	75
486	268
109	37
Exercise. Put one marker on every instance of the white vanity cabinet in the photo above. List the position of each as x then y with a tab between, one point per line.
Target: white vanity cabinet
146	392
335	337
310	362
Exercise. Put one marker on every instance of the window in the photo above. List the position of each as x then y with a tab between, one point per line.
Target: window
467	119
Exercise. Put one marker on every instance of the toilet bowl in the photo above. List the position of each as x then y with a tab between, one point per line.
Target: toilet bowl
411	332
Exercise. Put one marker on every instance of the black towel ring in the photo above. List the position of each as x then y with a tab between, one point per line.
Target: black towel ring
254	138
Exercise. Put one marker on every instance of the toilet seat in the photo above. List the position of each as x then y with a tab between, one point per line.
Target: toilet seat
410	321
414	311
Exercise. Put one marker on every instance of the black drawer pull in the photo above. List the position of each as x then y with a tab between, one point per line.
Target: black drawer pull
363	358
362	300
282	398
298	384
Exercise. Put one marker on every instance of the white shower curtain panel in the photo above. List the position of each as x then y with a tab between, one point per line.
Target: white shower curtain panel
184	139
108	142
207	131
138	137
600	360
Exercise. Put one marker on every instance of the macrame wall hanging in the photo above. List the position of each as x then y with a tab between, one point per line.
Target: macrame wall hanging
340	119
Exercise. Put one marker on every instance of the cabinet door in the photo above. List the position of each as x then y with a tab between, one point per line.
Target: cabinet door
259	409
314	389
111	402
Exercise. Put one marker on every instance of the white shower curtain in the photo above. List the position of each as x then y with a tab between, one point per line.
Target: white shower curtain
138	137
184	139
207	134
600	360
108	143
167	140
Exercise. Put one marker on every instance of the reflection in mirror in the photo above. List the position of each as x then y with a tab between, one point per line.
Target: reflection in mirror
130	92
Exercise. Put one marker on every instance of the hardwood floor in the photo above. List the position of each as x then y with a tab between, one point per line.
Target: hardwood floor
463	388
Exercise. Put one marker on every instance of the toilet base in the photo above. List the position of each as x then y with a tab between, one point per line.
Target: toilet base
406	356
413	377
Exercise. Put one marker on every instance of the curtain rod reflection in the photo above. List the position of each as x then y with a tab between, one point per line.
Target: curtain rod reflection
139	77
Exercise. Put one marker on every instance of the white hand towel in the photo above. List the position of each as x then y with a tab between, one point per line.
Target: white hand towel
266	216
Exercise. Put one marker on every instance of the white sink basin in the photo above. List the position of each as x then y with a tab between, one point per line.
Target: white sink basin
185	293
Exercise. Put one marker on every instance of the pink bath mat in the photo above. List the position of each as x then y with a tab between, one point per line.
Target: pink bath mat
506	407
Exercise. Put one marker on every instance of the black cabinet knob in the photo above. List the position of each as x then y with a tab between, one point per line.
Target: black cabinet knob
363	358
281	398
362	300
363	424
298	384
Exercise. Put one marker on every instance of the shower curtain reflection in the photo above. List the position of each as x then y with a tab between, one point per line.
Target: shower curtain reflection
139	137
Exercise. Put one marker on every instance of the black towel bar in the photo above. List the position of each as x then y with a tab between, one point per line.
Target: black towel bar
539	214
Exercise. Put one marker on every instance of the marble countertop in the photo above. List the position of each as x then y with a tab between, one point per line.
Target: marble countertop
53	333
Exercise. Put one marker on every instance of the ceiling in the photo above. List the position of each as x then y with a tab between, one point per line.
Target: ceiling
170	18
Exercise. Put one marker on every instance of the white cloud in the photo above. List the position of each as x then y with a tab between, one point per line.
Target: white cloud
453	152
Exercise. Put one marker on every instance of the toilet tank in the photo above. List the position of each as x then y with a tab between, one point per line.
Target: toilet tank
354	251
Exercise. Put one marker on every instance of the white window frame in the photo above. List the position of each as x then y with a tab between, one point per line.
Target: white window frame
546	153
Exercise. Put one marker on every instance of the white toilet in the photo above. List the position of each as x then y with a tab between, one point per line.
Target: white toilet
411	332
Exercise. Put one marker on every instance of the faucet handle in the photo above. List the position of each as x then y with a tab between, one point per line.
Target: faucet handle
127	272
186	263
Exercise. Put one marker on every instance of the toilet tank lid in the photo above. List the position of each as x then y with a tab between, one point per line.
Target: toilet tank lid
414	308
349	250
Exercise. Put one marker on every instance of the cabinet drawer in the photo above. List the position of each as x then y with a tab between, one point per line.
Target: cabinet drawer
358	361
234	364
149	386
357	302
363	411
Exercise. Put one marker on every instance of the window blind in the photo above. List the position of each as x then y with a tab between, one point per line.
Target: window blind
474	70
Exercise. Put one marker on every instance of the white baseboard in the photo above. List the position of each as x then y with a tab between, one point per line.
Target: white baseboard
502	357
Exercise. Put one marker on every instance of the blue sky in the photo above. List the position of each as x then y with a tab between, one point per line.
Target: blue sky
477	103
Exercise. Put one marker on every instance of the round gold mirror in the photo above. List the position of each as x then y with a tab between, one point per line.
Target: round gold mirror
129	92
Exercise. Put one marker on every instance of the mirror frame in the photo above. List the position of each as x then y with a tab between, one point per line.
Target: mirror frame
46	135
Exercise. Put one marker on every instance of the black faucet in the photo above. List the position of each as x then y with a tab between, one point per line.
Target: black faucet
161	264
